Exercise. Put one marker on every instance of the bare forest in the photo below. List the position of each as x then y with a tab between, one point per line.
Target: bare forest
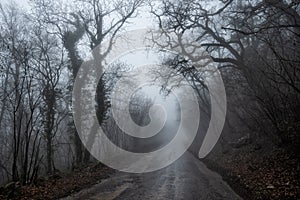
228	63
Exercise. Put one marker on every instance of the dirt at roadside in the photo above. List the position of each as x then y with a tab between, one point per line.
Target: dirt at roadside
63	184
253	174
258	175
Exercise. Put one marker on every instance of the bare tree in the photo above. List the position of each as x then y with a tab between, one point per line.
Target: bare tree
23	97
49	64
104	23
257	38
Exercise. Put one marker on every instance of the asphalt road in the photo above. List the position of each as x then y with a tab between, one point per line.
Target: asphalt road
186	179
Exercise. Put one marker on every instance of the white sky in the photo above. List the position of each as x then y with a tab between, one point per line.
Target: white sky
22	3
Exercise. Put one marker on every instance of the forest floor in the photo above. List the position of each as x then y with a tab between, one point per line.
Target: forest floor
62	184
258	174
254	174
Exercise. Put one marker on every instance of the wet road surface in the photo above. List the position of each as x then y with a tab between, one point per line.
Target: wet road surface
186	179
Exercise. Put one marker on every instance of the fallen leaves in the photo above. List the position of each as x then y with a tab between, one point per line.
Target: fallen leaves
64	184
271	175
